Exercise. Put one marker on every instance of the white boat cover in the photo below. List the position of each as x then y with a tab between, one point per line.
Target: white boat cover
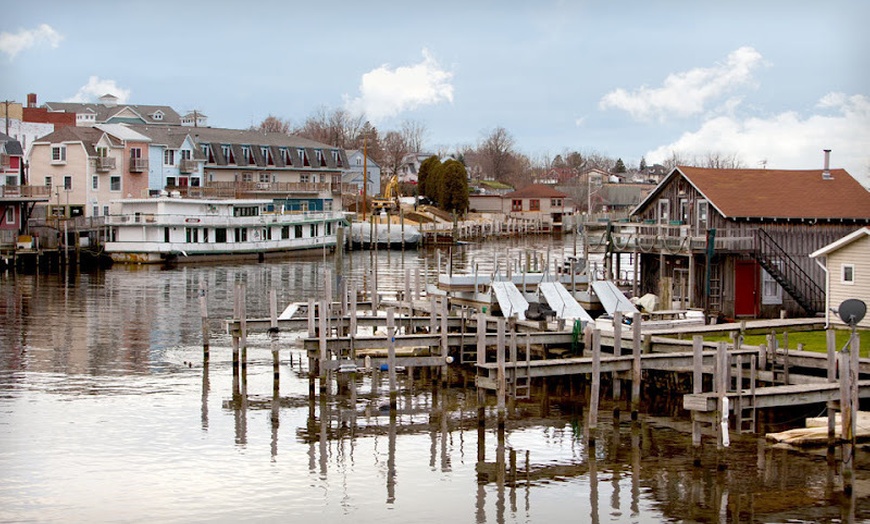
392	234
561	301
612	298
510	300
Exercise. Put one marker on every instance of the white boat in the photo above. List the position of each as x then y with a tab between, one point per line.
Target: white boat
168	229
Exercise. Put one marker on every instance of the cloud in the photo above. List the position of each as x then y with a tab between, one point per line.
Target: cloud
385	93
786	140
12	44
97	87
687	93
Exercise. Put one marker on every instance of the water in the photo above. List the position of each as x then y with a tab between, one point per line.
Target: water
108	414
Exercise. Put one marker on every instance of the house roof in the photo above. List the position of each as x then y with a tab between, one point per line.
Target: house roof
11	145
846	240
774	193
88	136
105	112
536	191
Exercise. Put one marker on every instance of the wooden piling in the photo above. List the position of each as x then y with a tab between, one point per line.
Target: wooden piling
831	340
596	386
501	385
481	359
635	367
697	387
617	351
203	313
391	355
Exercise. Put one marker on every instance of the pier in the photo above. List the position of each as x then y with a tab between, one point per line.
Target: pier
725	385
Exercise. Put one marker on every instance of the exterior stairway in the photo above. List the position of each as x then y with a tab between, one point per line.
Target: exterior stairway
788	273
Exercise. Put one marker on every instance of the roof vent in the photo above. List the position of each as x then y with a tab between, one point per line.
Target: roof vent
826	174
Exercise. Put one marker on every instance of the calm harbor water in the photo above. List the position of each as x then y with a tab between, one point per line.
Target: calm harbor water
107	414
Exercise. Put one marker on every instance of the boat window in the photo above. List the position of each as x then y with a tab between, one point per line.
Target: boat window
246	211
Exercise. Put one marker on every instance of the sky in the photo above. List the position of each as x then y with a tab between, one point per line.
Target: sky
773	83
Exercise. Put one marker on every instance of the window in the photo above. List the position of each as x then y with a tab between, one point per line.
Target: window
95	183
336	157
246	211
285	156
48	182
320	160
247	177
194	182
192	235
246	154
58	154
169	157
534	204
848	273
771	291
297	231
115	183
102	151
10	215
516	205
555	202
184	154
96	211
105	211
67	182
304	179
312	230
702	222
228	154
684	210
265	178
285	232
170	181
267	155
303	157
663	211
220	235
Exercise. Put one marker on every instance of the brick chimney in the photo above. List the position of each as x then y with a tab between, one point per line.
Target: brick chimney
31	99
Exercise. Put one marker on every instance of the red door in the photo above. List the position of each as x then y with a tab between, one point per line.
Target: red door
745	288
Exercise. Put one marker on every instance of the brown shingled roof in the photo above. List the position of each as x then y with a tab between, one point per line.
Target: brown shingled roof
772	193
536	191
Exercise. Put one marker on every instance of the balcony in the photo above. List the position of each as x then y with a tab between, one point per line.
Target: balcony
4	160
105	164
138	165
187	166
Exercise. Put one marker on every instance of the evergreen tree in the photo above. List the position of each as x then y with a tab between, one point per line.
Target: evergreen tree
454	187
427	167
620	166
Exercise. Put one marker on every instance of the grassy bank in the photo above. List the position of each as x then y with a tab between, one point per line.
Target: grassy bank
812	340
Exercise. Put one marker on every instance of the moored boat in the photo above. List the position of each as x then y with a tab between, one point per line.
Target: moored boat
166	229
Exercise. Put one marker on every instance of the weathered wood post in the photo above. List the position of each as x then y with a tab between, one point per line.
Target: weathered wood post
481	359
617	351
697	388
596	386
722	408
243	293
444	348
237	314
831	340
501	385
391	355
273	330
636	372
203	313
321	334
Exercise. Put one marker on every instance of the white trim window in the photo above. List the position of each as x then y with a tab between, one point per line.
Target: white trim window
95	183
58	154
771	291
663	211
67	183
847	274
702	221
115	183
10	215
168	157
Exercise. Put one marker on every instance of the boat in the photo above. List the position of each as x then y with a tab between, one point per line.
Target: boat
365	235
168	229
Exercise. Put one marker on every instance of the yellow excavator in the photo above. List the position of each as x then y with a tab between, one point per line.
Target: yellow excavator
389	201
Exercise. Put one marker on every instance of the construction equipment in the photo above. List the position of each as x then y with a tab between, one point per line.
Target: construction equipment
389	201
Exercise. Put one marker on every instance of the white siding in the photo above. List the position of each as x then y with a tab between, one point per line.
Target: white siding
856	253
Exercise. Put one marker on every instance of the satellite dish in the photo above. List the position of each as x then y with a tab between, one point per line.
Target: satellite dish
852	311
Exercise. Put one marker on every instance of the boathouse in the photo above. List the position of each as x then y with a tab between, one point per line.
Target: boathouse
736	242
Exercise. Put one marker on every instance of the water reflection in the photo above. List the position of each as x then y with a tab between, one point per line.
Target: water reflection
83	355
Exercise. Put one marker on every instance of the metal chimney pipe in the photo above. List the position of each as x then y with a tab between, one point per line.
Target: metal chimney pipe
826	174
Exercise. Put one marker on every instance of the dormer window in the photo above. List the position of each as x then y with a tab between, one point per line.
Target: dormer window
208	153
336	156
320	160
304	157
158	115
285	156
228	154
246	154
267	155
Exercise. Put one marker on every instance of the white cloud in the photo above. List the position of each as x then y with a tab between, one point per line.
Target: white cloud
14	43
687	93
385	93
97	87
786	140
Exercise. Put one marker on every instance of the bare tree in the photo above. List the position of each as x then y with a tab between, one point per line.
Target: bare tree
273	124
338	127
495	154
395	150
414	134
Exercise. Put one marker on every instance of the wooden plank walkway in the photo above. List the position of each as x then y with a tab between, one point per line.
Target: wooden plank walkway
775	396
